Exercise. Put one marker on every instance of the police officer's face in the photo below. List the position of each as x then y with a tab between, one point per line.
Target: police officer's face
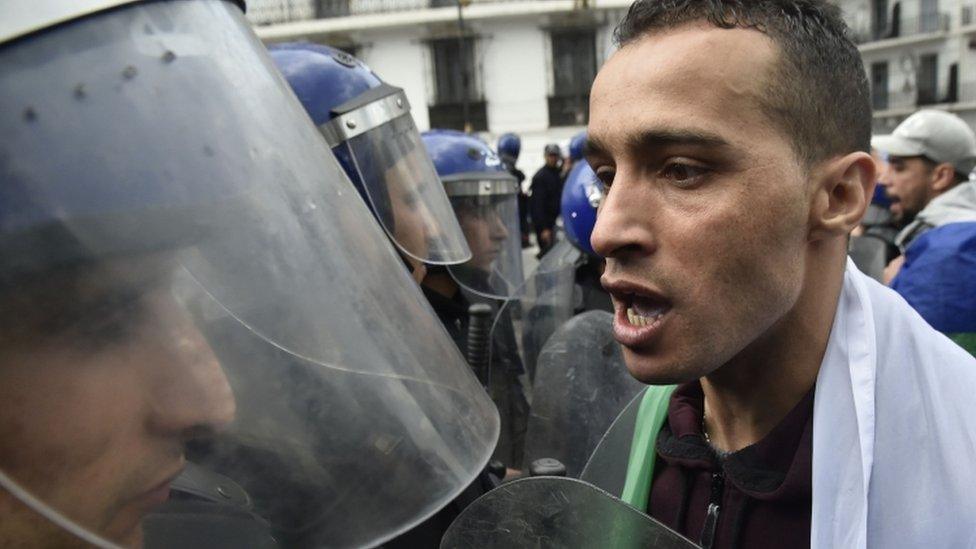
485	232
704	224
410	217
103	379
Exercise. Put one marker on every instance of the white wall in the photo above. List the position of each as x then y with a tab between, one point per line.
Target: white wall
515	76
400	60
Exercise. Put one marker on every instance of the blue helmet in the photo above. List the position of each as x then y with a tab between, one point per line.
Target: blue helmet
509	147
367	124
576	145
582	194
485	199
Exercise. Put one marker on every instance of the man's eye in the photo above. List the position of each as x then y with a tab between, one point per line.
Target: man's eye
683	174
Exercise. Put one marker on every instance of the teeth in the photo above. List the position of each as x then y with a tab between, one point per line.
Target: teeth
642	319
649	311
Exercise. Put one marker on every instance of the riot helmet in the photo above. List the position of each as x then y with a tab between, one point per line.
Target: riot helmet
582	194
509	147
576	146
485	199
368	125
192	296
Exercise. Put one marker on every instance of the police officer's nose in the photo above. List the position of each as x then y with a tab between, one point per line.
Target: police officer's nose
192	395
498	230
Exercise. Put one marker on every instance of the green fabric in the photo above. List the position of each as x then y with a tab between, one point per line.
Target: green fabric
640	467
966	340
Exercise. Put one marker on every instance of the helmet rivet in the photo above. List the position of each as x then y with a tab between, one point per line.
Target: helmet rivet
399	102
223	491
487	186
351	124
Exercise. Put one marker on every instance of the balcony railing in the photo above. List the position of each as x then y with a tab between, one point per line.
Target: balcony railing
900	100
903	27
451	116
967	15
569	110
967	92
271	12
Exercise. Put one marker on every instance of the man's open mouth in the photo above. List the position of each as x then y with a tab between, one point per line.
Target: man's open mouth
644	311
640	312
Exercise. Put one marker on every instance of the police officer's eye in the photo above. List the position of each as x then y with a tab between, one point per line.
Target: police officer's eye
110	321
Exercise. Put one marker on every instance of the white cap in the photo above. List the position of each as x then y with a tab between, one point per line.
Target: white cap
937	135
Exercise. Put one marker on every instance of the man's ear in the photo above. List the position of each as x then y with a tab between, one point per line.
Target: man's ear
841	194
943	177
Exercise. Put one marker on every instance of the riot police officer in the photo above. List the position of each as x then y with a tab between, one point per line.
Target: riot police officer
484	197
509	146
577	144
206	341
368	125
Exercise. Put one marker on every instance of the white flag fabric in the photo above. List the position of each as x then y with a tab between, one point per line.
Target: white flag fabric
894	429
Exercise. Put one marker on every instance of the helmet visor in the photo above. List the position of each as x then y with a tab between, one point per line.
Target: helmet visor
203	333
402	186
487	209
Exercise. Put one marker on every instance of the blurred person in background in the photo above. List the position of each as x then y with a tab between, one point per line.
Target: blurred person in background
930	156
546	191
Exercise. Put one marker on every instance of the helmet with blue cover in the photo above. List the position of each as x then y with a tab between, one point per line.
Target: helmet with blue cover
367	124
509	146
576	146
582	194
485	199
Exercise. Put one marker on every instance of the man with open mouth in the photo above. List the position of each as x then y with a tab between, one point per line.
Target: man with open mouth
813	406
930	156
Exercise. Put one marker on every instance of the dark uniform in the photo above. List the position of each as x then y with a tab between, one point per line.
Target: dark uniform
504	385
547	190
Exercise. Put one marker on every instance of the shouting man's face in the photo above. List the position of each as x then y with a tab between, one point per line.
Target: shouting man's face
705	222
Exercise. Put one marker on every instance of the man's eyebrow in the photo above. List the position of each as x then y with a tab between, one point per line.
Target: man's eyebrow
662	138
658	138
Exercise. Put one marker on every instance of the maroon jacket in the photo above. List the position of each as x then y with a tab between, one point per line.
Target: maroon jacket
758	497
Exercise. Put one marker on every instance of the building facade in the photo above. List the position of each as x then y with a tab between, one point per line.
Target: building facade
526	66
522	66
917	53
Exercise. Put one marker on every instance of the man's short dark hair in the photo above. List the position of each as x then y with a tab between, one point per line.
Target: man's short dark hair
818	92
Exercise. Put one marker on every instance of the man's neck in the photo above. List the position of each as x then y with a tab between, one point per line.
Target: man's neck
748	396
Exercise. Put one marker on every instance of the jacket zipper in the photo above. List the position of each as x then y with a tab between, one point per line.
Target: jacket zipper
714	507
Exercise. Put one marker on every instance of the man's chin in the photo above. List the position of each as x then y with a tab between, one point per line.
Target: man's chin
658	370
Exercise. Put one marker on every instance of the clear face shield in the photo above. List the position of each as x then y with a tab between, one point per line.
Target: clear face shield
382	143
203	334
548	300
486	206
520	328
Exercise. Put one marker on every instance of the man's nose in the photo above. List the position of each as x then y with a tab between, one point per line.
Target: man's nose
192	395
622	223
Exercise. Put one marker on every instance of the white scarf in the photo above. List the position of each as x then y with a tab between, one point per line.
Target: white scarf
894	429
